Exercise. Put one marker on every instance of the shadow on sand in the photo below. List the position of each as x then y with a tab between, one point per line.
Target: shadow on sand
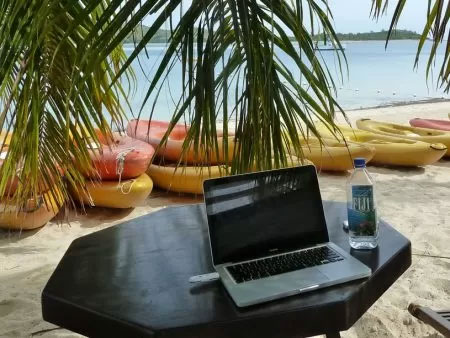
443	163
13	236
397	170
90	217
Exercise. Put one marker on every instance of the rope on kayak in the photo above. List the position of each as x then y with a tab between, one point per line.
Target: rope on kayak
120	161
37	205
129	189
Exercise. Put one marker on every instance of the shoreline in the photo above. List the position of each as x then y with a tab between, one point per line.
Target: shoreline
345	41
402	103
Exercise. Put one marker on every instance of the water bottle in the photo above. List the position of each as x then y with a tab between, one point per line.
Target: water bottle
361	208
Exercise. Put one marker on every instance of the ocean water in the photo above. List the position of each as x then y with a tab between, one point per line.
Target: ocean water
376	76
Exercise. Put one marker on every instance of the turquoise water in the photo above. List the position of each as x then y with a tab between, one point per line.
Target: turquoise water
376	77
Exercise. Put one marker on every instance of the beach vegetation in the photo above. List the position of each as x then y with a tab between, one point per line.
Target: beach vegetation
62	63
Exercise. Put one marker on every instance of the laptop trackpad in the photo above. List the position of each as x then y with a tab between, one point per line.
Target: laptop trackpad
309	278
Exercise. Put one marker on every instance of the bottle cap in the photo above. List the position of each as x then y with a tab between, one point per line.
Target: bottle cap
359	162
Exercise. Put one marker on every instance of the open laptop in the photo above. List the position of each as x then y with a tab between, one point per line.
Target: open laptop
269	237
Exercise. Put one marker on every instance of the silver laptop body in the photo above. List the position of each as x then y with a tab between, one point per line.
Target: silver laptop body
260	223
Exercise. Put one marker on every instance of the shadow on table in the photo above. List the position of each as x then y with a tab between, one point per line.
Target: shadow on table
368	257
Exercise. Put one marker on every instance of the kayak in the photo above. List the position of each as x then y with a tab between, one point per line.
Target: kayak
43	185
333	155
153	131
429	123
113	194
184	179
190	179
5	138
120	157
35	214
412	133
12	184
393	151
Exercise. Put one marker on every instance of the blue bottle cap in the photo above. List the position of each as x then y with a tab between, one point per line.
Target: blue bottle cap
359	162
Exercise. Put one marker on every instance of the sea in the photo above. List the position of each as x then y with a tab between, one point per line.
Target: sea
377	76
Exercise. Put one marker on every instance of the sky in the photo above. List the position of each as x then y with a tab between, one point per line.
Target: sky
353	16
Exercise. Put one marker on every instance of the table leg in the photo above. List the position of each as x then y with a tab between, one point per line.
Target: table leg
333	335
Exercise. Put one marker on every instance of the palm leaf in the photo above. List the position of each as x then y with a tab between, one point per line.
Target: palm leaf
48	99
232	73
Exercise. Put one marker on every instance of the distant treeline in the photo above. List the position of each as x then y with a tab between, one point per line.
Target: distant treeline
400	34
163	35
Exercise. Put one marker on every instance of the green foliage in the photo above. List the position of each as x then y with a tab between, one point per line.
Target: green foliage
399	34
48	100
61	63
232	74
161	36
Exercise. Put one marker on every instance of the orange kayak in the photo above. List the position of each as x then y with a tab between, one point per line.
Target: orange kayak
43	185
120	157
153	131
13	183
430	123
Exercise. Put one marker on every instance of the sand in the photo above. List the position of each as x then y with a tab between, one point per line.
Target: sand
415	201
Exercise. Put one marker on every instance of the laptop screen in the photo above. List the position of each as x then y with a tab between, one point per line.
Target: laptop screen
264	213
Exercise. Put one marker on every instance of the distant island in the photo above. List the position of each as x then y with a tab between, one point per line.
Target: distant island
399	34
162	35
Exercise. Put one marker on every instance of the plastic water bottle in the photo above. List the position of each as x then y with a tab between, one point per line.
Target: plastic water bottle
361	208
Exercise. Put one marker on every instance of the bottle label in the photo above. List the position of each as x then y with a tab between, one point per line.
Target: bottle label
362	218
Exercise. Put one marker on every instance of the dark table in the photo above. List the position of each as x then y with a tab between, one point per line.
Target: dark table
131	280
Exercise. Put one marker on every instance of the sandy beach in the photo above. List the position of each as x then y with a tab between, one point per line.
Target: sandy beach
415	201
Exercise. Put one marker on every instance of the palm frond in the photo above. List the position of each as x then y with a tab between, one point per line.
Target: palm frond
61	64
48	99
236	58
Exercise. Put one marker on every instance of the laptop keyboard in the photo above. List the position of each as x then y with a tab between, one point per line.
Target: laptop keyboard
276	265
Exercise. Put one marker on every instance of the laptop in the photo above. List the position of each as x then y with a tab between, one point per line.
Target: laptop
269	237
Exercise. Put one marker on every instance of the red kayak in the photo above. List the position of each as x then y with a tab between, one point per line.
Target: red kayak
153	132
121	157
432	124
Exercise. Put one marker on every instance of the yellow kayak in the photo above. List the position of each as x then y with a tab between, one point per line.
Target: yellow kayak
35	214
334	155
392	150
5	138
112	194
190	179
183	179
412	133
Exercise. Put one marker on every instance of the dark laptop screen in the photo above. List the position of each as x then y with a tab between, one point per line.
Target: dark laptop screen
257	214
